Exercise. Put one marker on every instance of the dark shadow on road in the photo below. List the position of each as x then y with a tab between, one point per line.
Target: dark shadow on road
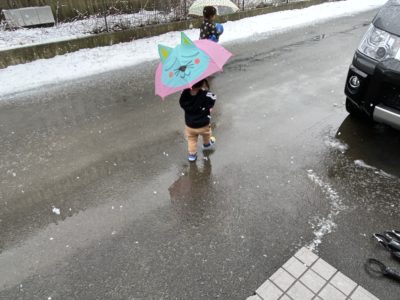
375	144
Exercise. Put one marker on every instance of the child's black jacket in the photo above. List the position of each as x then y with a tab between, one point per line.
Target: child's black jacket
207	30
197	108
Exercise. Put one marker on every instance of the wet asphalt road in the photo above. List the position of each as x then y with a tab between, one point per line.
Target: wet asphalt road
137	221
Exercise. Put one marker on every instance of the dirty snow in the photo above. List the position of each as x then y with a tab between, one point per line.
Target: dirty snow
321	227
360	163
336	144
87	62
325	225
56	210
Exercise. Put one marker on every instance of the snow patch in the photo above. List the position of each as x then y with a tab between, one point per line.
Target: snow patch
336	144
360	163
324	226
56	210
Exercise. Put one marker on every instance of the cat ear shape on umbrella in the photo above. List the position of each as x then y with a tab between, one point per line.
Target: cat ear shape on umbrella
164	52
186	41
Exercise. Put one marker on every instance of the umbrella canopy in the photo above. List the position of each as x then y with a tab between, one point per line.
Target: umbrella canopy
181	67
223	7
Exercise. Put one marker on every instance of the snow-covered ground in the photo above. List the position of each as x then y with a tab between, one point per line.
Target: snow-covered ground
77	29
87	62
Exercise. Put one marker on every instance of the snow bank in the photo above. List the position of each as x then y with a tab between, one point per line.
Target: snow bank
77	29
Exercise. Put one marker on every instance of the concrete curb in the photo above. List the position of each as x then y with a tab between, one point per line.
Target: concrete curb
49	50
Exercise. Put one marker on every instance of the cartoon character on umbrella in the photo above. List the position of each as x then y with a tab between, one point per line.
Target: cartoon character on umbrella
185	68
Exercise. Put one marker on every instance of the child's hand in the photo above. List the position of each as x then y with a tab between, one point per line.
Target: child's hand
214	38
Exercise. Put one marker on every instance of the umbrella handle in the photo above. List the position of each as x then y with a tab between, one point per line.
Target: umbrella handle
207	84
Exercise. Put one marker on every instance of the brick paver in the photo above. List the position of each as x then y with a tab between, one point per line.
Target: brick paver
306	276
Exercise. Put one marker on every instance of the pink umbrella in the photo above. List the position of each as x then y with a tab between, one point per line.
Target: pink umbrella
181	67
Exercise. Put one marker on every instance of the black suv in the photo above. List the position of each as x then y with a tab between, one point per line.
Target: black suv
373	83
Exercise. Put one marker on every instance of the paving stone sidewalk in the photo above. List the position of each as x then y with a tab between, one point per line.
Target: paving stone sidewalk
305	276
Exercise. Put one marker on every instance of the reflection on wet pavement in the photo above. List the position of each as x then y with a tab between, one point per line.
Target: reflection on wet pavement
365	161
375	144
190	193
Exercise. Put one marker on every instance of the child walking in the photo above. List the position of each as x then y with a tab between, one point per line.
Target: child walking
197	103
209	30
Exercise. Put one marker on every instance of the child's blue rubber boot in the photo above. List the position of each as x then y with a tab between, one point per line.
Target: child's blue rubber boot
210	145
192	157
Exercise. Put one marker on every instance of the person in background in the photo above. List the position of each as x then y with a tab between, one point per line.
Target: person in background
209	29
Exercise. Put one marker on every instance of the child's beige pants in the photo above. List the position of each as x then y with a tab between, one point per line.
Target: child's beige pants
192	135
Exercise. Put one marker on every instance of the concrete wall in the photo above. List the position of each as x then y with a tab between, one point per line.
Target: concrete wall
27	54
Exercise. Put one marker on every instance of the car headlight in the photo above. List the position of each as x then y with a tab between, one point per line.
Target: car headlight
380	45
